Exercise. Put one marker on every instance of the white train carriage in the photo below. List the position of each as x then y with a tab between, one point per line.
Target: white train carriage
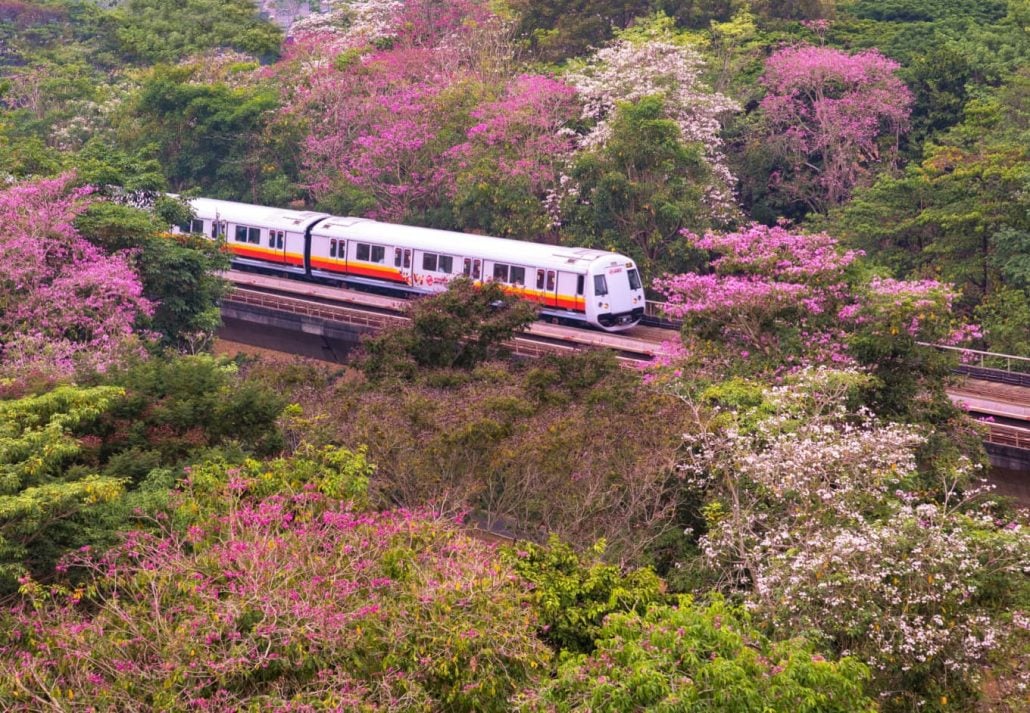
578	284
594	286
257	236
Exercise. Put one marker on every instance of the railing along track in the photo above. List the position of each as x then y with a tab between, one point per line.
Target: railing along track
387	312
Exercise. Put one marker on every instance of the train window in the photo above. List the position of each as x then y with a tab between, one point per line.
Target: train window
214	229
468	267
183	227
439	263
378	253
634	279
332	248
363	251
254	235
550	280
396	257
500	272
579	285
540	279
475	269
281	242
600	285
407	258
241	233
197	226
518	276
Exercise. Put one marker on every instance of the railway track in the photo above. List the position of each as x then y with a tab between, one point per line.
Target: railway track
373	311
1008	406
634	347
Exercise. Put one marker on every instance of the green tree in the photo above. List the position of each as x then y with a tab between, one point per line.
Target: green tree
939	80
177	407
963	214
43	501
700	658
459	328
205	133
558	30
1005	317
573	594
110	169
699	13
640	190
167	30
177	271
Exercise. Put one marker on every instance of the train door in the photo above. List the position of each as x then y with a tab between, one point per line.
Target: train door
337	256
547	287
402	261
277	246
472	268
293	250
569	293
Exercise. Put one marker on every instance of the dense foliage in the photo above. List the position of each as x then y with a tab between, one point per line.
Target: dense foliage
79	463
291	600
65	303
459	329
690	657
784	512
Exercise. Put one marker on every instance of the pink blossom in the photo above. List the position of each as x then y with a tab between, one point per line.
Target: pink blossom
67	303
825	113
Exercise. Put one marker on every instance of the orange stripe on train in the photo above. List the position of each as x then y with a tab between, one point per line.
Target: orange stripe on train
268	254
351	268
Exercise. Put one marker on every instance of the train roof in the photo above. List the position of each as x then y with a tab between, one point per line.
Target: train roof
448	242
255	215
558	257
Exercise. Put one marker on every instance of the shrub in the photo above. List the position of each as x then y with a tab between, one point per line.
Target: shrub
291	602
573	594
700	658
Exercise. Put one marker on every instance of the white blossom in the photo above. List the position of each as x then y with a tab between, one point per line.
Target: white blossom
627	72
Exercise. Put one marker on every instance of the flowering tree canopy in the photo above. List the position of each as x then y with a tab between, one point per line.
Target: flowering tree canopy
513	154
821	514
628	71
63	302
417	109
292	602
770	290
791	299
830	117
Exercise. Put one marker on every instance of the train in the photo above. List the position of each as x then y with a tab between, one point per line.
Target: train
570	284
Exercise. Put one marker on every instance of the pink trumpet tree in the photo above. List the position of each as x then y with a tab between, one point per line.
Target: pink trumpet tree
830	119
419	107
776	299
63	301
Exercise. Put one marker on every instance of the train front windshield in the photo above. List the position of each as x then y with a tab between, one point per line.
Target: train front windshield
634	279
619	294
